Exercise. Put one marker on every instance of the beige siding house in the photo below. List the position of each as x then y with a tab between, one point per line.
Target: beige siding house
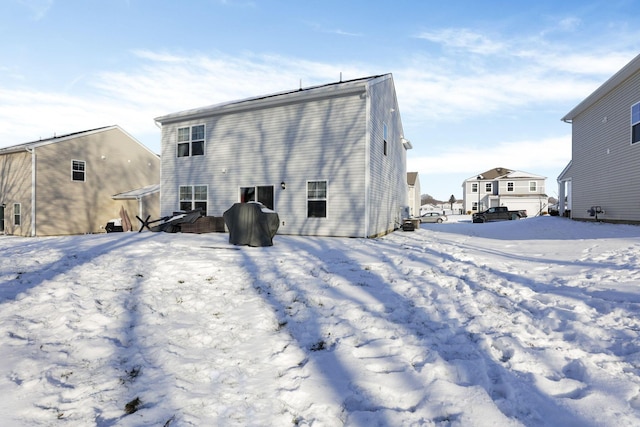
605	154
66	184
516	190
330	159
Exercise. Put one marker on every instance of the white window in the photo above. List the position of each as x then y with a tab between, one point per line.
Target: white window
475	206
193	197
78	170
17	214
635	123
510	186
488	187
474	187
317	199
191	141
533	186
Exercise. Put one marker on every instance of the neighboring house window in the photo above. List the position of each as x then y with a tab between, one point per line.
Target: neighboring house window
193	197
509	186
488	187
533	186
17	215
191	141
474	187
262	194
78	170
317	199
385	135
635	123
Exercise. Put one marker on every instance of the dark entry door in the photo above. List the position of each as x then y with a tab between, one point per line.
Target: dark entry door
1	219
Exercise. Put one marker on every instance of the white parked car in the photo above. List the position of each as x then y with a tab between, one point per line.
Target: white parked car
433	217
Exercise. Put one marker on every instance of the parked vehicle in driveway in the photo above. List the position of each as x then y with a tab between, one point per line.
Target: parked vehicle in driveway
433	217
498	213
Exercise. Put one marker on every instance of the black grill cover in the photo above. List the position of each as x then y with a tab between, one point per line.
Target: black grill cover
251	224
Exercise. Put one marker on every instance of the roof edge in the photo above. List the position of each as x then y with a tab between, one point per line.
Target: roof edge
623	74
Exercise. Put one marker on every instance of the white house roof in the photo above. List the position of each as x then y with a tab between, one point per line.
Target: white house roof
137	193
520	174
504	173
566	172
324	90
627	71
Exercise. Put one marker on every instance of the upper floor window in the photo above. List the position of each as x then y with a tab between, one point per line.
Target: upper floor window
533	186
78	170
193	197
474	187
635	123
488	187
510	186
317	199
191	141
385	136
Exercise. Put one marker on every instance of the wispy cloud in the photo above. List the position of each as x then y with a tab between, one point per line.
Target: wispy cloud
39	8
463	39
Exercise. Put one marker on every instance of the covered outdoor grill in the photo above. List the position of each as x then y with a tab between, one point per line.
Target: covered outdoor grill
251	224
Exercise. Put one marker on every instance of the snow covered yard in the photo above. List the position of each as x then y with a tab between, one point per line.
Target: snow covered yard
519	323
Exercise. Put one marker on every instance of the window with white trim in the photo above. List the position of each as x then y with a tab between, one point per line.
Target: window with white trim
17	214
635	123
193	197
510	186
474	207
78	170
474	187
533	186
316	199
488	187
190	141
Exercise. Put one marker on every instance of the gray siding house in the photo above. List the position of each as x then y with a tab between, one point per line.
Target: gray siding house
605	151
330	159
516	190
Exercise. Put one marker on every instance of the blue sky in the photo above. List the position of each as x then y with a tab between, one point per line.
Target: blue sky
480	84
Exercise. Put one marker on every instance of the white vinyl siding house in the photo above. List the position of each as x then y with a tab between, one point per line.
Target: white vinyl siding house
516	190
317	154
605	155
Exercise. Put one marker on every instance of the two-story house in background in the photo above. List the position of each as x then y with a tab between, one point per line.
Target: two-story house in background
66	184
516	190
329	159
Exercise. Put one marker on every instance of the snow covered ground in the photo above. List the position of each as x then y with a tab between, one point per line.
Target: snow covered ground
519	323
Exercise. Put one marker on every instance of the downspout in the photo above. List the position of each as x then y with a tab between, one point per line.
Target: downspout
32	151
367	164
